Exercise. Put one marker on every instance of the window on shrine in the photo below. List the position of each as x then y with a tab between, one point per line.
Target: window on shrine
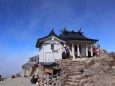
52	46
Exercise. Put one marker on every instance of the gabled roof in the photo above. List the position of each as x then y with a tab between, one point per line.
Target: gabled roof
66	36
37	56
27	65
70	36
41	40
48	64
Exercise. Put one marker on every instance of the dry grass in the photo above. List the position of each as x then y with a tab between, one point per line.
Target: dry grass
112	54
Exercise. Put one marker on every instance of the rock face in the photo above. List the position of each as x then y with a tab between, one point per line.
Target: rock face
96	71
103	52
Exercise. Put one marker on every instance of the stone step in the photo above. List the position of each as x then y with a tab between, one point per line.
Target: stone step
75	77
75	73
75	68
75	65
76	62
72	74
71	67
66	85
73	80
71	84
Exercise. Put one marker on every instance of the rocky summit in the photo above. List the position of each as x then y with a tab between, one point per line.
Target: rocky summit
96	71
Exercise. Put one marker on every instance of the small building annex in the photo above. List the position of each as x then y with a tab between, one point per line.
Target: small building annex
29	67
53	47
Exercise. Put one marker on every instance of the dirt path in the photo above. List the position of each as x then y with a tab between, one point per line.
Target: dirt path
17	82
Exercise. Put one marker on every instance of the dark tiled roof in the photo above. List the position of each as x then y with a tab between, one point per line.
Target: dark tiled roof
67	36
48	64
34	57
41	40
27	65
71	35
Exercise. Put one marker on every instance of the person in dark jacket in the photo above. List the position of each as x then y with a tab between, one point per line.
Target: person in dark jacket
67	52
34	79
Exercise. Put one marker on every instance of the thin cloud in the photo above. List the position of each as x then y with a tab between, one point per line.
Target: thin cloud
9	66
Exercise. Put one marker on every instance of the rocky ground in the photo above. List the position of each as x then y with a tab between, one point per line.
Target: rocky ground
98	71
17	82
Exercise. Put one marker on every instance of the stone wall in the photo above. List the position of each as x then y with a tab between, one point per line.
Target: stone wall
96	71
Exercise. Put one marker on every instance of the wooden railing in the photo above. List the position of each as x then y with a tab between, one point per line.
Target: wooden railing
52	80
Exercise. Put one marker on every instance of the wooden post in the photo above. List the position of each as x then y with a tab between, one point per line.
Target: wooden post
91	51
78	53
41	79
86	50
47	79
73	51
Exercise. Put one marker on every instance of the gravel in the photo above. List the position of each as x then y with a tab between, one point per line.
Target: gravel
17	82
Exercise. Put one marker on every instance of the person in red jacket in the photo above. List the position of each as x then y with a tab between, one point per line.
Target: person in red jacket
97	51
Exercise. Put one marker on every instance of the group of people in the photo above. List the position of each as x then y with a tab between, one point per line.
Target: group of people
66	52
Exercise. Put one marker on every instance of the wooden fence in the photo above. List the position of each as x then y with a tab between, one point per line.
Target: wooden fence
51	80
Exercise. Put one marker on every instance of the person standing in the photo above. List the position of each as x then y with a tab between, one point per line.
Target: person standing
98	46
63	53
67	52
97	51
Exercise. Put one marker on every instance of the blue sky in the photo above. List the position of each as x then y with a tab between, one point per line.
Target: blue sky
22	22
